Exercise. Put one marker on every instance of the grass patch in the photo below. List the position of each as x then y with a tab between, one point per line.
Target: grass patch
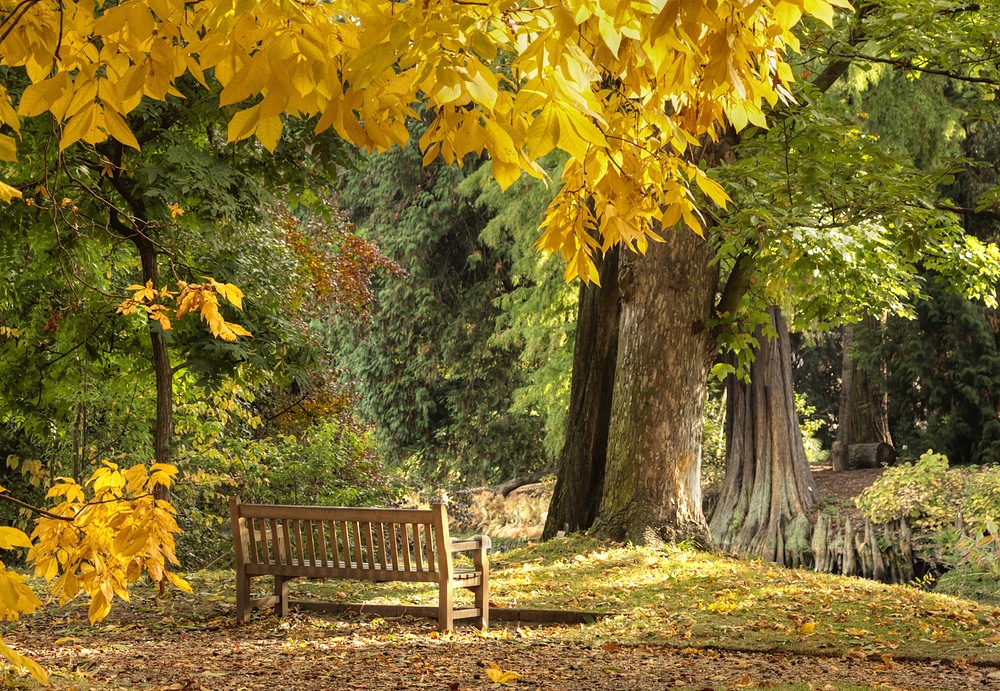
687	598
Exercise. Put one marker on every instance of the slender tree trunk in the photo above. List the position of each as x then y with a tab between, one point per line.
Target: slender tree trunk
164	428
136	233
769	489
864	404
652	487
584	454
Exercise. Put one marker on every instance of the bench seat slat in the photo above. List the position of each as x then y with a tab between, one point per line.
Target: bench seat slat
355	572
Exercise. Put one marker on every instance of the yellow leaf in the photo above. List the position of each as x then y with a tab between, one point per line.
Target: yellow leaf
711	188
229	291
38	98
178	582
543	133
609	34
499	676
238	330
79	127
100	607
269	132
21	662
821	9
8	148
12	537
243	124
116	127
807	628
506	174
7	192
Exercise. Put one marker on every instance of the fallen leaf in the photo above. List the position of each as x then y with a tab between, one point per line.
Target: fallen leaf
499	676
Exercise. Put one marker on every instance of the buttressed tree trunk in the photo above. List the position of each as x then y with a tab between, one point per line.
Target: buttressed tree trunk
584	453
769	489
864	404
651	489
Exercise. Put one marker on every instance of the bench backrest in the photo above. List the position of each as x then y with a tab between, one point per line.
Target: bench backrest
364	543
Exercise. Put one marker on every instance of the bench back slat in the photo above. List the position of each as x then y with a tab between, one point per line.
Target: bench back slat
294	532
286	541
393	530
310	542
429	547
380	530
406	545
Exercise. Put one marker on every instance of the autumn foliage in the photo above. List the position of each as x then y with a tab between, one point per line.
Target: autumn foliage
626	89
100	537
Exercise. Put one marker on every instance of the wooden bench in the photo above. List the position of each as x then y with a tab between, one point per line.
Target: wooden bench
413	545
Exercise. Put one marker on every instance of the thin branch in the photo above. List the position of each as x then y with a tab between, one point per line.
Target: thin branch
966	211
35	509
909	65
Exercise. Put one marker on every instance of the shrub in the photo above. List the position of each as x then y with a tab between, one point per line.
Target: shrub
926	493
932	497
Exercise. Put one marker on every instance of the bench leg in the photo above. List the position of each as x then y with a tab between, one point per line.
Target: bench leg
281	592
446	619
242	597
482	594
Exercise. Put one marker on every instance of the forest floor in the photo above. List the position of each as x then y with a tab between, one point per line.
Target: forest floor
668	618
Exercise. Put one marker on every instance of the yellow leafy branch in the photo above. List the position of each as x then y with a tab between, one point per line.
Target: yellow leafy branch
623	88
190	297
113	538
101	537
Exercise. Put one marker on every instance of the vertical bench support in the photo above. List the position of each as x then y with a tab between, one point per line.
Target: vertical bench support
446	598
239	547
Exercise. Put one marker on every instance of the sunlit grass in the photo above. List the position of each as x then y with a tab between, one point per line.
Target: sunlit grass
684	597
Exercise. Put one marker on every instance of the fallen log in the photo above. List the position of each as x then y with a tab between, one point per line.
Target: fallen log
505	488
873	455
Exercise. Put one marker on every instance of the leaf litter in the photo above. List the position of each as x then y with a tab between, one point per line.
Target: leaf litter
679	619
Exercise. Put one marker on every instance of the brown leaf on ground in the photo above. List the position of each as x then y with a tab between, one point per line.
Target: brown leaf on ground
148	646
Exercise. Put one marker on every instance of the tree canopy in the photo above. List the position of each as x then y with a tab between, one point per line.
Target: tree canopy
626	89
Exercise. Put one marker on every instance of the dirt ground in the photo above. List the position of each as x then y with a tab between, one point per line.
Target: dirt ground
161	646
185	643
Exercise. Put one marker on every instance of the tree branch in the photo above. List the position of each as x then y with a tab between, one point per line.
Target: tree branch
35	509
965	211
909	65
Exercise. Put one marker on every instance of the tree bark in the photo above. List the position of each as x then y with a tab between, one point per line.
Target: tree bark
652	490
584	454
136	231
164	374
864	404
769	489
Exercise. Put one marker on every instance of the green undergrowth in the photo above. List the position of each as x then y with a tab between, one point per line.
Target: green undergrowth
687	598
970	582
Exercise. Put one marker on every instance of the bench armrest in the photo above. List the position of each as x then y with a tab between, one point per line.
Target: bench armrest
471	543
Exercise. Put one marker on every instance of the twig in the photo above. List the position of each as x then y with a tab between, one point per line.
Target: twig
41	512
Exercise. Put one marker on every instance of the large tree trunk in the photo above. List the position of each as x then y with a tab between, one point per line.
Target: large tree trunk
769	489
652	487
584	454
864	404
